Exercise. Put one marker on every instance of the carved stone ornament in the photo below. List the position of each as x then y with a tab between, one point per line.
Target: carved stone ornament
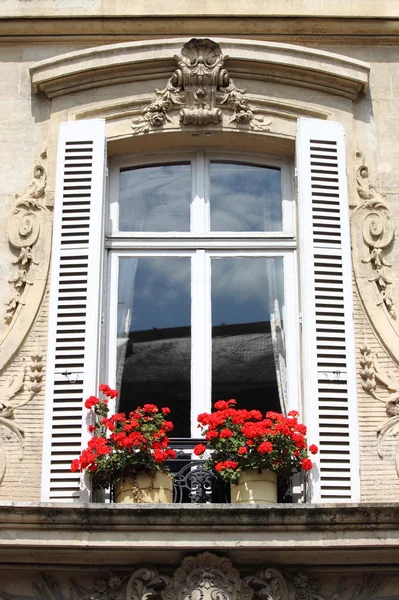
208	576
199	577
376	381
29	235
373	233
28	383
202	90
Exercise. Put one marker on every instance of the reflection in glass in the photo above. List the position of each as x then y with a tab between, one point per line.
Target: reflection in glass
245	197
155	198
248	350
154	336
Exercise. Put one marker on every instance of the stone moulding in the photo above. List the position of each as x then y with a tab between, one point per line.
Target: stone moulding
29	235
265	61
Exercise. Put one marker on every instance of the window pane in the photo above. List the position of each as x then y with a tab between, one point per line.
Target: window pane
248	357
155	198
245	197
154	336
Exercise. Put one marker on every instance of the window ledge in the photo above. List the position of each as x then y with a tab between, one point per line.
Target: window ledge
122	534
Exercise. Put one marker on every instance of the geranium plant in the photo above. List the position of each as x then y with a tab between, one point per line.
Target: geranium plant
240	440
123	446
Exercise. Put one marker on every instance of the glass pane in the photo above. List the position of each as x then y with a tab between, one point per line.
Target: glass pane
154	336
248	356
245	197
155	198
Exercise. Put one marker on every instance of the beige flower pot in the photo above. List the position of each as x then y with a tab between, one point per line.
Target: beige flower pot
254	488
145	487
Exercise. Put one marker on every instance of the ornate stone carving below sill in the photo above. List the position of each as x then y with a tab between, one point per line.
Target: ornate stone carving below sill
205	576
200	89
373	233
29	234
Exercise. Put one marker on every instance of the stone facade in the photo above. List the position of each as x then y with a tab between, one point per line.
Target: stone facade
77	59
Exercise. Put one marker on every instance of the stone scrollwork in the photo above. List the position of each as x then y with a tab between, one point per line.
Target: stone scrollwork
15	386
23	232
200	88
207	577
374	252
268	584
202	577
29	235
378	231
375	379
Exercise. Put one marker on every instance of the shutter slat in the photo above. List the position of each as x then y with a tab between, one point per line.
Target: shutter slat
327	315
74	304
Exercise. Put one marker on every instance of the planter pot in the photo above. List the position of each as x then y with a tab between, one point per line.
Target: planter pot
145	487
254	488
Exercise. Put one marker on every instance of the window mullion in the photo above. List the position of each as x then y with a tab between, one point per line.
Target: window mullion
201	338
198	208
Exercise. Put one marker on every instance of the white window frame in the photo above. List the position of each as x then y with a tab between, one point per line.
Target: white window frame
202	245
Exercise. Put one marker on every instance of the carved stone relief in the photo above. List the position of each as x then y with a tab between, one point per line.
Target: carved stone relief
26	384
208	576
376	381
202	90
29	235
201	577
373	234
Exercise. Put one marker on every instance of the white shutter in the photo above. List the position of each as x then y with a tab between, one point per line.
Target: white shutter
328	336
75	304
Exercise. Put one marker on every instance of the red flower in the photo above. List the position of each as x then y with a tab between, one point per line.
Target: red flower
165	410
112	393
293	413
227	464
306	464
199	449
168	425
92	401
242	450
150	408
210	435
226	433
92	428
104	388
265	447
221	405
75	465
313	449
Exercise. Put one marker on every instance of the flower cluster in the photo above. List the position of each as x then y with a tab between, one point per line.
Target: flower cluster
122	446
245	439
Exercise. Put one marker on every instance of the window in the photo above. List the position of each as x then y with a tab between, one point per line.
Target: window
203	294
208	245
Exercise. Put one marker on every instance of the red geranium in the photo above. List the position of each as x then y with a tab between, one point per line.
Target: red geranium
241	439
121	445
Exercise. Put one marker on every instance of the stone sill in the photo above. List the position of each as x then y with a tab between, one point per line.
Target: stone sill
348	516
123	535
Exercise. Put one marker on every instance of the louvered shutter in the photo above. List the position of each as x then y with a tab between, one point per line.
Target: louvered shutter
75	304
327	317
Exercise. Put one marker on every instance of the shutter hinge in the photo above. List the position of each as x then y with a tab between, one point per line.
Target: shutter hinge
296	172
106	171
300	319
